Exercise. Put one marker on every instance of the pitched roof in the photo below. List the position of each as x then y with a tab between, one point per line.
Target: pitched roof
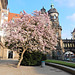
13	15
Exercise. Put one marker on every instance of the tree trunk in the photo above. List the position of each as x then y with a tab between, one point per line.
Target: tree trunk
21	58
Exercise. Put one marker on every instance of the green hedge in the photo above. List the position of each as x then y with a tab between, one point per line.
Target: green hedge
62	63
33	58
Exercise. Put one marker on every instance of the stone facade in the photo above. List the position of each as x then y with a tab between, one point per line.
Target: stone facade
4	52
54	19
69	44
0	10
3	5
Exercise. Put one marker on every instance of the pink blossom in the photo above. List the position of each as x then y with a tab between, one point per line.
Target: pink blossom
34	31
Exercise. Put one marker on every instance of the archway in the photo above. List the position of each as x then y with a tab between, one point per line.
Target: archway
68	55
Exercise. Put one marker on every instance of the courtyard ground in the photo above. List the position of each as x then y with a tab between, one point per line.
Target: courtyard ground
9	68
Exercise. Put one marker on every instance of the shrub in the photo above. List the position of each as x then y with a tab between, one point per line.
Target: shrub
33	58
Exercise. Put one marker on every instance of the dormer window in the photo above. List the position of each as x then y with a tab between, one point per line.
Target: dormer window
16	15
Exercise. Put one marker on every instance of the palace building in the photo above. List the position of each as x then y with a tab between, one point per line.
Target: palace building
64	46
69	47
54	18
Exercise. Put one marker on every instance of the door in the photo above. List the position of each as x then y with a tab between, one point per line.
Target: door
10	54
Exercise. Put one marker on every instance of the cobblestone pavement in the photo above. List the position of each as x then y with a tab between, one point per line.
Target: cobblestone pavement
8	69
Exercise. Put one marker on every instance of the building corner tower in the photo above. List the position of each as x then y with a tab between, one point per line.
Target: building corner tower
54	18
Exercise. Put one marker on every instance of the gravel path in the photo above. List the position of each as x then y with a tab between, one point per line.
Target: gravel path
9	69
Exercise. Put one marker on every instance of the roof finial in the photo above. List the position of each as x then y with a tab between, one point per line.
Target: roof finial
52	5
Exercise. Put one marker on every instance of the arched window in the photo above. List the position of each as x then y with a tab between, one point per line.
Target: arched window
54	16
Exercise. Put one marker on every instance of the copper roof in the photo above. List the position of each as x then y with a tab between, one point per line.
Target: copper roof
53	10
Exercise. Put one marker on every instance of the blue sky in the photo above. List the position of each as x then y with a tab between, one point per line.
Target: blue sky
66	9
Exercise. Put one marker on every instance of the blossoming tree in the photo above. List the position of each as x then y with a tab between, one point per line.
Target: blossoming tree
30	32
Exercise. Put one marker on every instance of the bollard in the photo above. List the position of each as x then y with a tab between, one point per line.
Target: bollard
42	63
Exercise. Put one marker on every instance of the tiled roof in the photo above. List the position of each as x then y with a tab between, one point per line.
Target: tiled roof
13	15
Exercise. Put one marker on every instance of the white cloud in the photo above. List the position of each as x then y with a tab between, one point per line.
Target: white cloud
69	3
72	17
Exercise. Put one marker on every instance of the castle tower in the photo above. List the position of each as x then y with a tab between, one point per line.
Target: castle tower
73	34
54	18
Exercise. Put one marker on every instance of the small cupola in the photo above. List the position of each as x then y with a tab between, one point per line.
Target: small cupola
43	10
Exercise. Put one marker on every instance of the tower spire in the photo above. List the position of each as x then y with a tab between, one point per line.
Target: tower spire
52	5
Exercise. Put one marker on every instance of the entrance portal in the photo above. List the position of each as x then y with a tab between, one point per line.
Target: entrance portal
68	55
10	54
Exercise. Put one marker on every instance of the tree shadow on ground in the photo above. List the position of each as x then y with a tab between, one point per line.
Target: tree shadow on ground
48	70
